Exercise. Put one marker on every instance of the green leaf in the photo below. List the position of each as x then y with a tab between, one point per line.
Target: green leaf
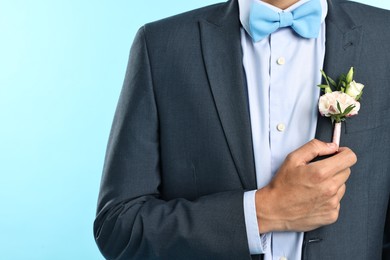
338	107
358	97
332	82
328	90
341	82
348	109
325	77
349	76
322	86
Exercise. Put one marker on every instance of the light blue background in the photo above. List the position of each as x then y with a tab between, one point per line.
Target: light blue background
62	64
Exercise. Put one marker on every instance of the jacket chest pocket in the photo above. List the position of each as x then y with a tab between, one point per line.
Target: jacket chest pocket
373	119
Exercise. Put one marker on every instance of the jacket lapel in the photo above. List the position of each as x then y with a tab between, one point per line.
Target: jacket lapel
221	47
343	45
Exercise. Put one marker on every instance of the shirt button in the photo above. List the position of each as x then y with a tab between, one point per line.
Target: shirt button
281	127
283	258
281	61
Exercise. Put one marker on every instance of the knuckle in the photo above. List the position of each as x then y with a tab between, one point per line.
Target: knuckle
342	189
334	203
291	157
333	216
354	157
341	193
351	155
317	178
330	190
315	143
320	175
346	173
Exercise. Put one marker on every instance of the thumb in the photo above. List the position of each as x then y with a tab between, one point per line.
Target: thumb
313	149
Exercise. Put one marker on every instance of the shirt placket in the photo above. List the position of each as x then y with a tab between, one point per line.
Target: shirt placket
279	117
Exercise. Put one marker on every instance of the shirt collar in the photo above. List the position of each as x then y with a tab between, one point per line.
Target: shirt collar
244	7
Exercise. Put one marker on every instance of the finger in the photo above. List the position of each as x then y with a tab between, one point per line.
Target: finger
341	178
349	152
341	191
344	159
313	149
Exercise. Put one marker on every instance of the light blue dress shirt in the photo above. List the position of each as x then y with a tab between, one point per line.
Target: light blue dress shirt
282	73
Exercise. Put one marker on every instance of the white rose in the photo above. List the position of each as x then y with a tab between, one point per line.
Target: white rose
328	104
354	89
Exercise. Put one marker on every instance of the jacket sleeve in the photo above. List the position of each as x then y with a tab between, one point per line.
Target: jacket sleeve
133	220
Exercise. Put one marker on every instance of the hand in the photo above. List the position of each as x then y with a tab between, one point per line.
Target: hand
305	195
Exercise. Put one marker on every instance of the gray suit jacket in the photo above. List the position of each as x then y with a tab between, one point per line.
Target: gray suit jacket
180	153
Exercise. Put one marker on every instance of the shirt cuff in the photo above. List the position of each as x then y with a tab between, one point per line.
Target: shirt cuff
257	243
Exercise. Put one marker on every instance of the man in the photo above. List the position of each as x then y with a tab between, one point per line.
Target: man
210	154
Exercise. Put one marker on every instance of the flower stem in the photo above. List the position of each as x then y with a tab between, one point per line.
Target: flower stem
337	133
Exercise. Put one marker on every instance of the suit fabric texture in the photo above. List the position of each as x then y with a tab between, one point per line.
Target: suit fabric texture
180	156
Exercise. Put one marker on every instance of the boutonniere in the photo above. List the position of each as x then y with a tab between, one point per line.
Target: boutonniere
340	101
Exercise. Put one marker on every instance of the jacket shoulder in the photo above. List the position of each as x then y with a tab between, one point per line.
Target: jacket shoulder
184	21
365	14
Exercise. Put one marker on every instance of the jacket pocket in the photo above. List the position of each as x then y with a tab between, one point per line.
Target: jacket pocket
371	120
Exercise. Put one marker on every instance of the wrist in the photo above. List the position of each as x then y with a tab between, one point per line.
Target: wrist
266	211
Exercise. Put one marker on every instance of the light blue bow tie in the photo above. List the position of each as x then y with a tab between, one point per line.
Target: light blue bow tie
304	20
